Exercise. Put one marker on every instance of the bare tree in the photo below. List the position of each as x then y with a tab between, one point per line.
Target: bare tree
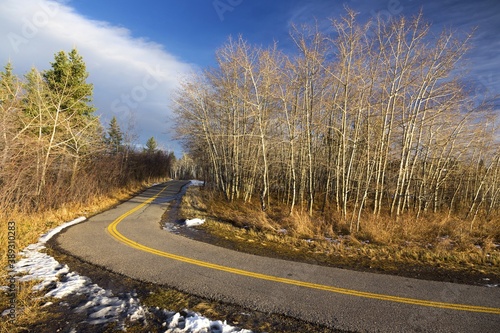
370	118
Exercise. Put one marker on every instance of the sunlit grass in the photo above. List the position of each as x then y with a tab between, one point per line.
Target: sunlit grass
438	241
29	228
441	242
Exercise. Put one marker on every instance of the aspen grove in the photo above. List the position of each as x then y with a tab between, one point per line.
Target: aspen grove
367	120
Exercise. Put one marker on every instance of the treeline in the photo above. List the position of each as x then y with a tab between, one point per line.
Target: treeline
366	120
54	150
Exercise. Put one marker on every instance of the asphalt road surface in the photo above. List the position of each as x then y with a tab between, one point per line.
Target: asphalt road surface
128	240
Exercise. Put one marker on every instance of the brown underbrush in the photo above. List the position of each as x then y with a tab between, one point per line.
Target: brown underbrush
433	243
28	228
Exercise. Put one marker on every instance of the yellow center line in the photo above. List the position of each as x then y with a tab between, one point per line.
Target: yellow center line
112	229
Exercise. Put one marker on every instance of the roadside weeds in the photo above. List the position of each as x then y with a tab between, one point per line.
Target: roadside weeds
28	228
432	250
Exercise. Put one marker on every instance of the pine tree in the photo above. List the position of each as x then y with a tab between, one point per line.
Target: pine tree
35	100
114	140
9	86
7	81
9	89
72	132
151	146
67	78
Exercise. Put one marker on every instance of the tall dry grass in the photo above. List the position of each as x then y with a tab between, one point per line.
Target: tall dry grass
436	240
29	227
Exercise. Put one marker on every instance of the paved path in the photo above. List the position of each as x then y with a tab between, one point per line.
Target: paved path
129	240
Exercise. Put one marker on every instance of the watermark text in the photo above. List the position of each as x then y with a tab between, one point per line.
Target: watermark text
11	260
223	6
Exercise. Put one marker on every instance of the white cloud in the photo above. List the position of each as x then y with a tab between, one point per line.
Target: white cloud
132	77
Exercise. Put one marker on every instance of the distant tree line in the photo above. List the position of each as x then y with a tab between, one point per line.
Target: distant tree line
367	120
54	150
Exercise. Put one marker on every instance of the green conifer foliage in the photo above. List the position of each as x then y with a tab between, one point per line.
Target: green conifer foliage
151	146
114	138
68	78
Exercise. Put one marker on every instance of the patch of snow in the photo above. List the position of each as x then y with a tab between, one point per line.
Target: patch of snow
194	182
195	323
102	306
194	222
171	227
45	238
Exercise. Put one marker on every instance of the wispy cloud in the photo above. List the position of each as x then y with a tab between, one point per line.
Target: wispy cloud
132	77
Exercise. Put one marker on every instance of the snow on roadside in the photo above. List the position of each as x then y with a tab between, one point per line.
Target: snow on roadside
194	222
46	237
102	306
192	322
195	182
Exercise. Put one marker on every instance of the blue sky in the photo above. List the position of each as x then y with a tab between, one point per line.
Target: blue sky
137	51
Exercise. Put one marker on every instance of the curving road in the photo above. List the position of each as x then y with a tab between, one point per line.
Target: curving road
128	240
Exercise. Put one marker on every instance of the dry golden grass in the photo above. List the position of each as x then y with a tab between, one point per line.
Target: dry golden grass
29	228
436	241
384	243
205	204
28	310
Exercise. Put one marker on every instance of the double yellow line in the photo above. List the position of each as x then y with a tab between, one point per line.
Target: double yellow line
112	229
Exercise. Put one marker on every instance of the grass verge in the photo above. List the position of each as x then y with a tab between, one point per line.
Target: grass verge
18	230
433	248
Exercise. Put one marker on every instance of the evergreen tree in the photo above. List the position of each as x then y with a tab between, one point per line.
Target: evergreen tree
70	130
151	146
67	78
7	82
9	86
35	92
10	90
115	136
